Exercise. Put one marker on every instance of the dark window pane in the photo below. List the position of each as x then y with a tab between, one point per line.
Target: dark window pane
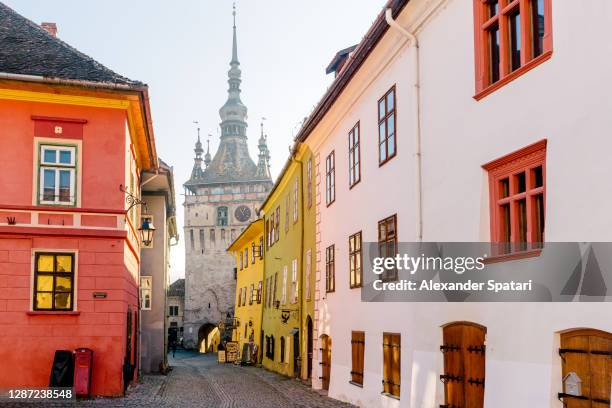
515	40
504	188
64	184
522	224
49	185
50	156
65	157
520	182
538	203
538	178
537	17
494	54
505	226
493	7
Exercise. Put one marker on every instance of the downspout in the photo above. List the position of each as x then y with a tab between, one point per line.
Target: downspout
301	216
417	116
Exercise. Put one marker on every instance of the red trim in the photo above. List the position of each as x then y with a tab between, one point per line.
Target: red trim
53	313
60	209
55	119
38	231
534	147
534	253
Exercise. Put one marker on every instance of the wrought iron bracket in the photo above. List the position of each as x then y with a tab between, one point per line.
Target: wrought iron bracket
131	199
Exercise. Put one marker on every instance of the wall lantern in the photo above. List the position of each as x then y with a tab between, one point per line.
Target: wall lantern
146	231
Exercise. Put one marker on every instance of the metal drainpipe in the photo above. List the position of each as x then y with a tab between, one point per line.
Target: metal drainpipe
417	113
301	274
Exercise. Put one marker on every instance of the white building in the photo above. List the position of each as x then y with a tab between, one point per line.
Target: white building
545	114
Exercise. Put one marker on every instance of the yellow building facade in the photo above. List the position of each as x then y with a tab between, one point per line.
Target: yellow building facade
288	298
247	249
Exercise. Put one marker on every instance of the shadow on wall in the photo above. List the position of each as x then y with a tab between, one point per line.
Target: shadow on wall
208	338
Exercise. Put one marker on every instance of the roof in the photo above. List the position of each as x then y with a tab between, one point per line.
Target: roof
339	58
177	288
252	230
366	46
28	49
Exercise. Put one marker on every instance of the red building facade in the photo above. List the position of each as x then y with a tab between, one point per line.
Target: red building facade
75	137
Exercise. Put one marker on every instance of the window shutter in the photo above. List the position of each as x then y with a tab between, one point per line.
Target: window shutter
588	353
357	351
391	363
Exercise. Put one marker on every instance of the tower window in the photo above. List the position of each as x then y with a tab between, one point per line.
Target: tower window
222	216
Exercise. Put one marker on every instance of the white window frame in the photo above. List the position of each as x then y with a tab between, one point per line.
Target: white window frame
57	167
284	291
294	281
144	290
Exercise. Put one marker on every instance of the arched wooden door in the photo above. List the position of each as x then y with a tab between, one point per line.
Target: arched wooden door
588	354
325	360
464	365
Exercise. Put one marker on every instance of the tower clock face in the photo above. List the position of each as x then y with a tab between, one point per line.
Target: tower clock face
242	213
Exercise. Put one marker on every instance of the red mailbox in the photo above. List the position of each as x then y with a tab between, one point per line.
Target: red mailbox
82	371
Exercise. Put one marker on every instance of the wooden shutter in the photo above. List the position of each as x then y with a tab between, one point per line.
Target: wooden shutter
325	361
464	365
357	351
588	353
391	363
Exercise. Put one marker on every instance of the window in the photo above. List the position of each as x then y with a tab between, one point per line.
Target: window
386	127
259	286
57	175
241	260
354	156
309	187
212	236
246	257
284	288
251	293
295	200
517	184
53	281
512	36
330	272
173	310
222	234
308	273
202	240
252	253
330	179
355	260
357	353
587	354
274	287
392	363
150	219
387	244
261	248
239	297
464	364
191	240
244	296
222	216
294	281
282	349
287	204
277	230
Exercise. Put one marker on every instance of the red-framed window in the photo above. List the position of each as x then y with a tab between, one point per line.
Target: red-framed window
511	37
330	178
354	153
387	146
517	188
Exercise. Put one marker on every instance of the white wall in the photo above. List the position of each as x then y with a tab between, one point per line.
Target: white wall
564	100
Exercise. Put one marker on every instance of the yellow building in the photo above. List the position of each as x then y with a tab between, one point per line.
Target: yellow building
249	284
288	307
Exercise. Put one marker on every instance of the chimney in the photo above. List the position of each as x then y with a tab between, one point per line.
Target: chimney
51	28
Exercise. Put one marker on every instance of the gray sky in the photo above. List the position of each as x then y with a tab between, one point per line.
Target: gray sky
182	49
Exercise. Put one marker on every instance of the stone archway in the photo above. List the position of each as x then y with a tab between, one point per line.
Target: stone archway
208	338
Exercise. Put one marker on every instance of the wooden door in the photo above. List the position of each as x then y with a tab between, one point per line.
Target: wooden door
464	365
325	360
588	353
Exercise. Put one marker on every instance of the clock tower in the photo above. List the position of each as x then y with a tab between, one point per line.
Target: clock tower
221	199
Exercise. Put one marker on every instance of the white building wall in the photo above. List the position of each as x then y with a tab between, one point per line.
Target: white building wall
564	100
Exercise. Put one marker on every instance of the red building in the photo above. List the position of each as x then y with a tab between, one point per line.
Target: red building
75	136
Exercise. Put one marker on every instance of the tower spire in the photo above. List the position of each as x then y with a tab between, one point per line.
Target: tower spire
235	41
207	156
263	164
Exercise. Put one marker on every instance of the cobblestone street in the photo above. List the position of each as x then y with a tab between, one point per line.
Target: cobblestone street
198	381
